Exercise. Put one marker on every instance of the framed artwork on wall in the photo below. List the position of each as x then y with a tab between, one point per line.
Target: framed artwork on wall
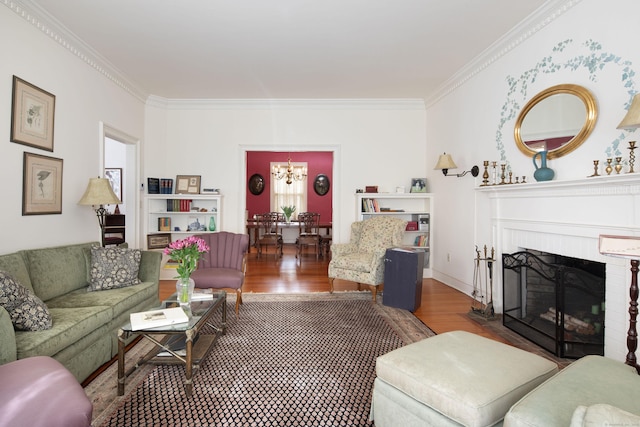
114	175
256	184
32	115
41	185
321	184
188	184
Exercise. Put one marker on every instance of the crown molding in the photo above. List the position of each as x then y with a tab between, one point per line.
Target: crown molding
286	104
543	16
56	31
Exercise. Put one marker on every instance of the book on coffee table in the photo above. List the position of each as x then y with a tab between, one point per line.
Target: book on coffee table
157	318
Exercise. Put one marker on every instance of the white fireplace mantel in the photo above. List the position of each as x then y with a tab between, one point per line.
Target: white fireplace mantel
567	218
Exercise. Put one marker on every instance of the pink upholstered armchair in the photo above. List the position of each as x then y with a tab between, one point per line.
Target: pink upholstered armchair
362	259
225	265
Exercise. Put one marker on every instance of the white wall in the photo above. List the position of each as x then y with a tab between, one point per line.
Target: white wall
466	121
378	143
84	97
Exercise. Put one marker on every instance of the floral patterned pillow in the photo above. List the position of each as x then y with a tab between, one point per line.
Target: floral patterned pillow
26	310
113	267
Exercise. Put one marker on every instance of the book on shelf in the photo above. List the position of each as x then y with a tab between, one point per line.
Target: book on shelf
422	240
164	223
157	318
153	185
166	186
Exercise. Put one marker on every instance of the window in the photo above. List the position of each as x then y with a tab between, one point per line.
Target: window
294	194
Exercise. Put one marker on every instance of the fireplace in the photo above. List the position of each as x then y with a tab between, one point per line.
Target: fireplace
555	301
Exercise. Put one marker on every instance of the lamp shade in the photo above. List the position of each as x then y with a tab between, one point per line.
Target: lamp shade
99	192
620	246
632	119
445	162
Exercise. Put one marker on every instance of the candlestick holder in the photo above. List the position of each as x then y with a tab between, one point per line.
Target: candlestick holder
485	174
502	175
494	173
632	156
608	169
595	168
618	165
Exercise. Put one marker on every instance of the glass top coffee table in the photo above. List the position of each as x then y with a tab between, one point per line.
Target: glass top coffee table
197	342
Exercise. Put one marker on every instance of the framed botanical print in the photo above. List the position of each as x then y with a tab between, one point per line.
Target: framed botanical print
41	185
32	115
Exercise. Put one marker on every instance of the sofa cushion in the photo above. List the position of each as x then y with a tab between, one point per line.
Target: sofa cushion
15	265
69	326
27	311
113	267
58	270
587	381
468	378
602	415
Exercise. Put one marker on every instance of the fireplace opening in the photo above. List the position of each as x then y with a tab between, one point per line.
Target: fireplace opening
555	301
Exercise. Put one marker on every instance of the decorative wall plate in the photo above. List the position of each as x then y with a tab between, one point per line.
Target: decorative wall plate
321	184
256	184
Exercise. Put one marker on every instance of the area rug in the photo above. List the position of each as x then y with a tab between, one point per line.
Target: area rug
286	360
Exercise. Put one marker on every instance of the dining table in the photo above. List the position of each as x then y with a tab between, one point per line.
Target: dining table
253	229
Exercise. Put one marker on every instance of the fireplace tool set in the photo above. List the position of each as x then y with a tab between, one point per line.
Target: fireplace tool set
483	283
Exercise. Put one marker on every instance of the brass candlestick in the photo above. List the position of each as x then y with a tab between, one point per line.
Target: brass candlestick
485	174
632	156
609	168
595	168
618	166
502	175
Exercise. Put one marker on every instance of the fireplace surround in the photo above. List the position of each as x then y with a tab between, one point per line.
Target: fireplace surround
555	301
567	218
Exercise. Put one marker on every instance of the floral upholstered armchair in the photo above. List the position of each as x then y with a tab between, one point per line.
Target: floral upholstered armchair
362	259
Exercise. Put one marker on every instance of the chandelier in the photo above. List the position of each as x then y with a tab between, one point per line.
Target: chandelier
291	173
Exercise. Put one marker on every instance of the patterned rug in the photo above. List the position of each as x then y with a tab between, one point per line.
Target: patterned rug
287	360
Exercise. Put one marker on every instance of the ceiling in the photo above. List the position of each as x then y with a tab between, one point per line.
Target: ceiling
287	49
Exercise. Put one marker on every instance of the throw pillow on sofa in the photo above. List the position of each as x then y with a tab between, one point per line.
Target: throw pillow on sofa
113	267
26	310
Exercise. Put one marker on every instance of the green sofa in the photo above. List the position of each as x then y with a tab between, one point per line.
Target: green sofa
85	324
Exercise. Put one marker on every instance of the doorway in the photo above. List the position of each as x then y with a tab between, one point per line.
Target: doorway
121	154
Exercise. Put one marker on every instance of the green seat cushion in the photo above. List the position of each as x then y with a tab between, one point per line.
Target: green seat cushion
69	326
468	378
587	381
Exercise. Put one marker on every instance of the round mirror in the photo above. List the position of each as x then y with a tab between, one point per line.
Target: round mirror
557	120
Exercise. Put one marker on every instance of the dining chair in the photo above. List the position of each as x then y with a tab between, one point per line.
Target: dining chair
308	233
269	233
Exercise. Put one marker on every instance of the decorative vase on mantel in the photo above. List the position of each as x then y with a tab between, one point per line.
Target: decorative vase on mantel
184	290
542	172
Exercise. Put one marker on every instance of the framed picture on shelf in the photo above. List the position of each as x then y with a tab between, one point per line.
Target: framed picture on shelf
114	175
188	184
32	115
158	241
418	185
41	185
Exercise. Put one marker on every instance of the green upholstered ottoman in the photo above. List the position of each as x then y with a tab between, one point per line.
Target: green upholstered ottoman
456	378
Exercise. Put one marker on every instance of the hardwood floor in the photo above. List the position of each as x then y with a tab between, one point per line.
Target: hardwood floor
442	308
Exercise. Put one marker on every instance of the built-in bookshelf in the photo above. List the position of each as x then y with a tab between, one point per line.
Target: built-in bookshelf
172	217
415	208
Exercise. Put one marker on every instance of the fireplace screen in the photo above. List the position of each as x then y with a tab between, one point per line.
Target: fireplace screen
555	301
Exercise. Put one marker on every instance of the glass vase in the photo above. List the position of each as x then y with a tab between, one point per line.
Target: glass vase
184	290
212	223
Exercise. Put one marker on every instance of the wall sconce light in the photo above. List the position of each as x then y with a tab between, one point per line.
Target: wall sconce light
98	194
445	162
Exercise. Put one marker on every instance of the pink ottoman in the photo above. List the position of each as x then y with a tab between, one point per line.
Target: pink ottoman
39	391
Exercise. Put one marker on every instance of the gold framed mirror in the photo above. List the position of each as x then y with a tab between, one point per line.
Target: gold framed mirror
558	119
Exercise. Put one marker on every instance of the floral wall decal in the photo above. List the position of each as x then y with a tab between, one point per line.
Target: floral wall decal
590	58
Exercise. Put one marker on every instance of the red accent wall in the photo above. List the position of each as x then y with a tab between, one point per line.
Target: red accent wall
318	162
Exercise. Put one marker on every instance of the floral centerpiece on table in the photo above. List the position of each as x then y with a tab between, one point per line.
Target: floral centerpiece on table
288	211
187	253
